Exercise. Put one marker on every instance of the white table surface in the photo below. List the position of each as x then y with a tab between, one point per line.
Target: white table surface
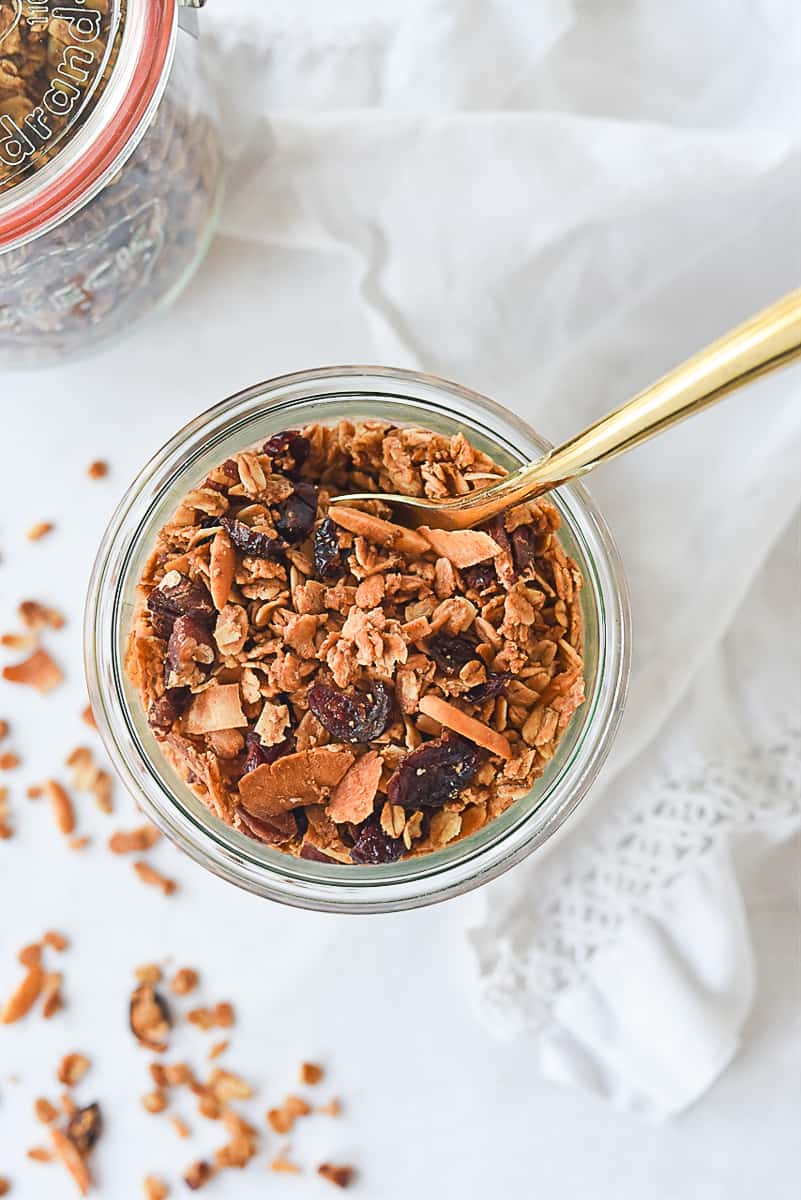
434	1108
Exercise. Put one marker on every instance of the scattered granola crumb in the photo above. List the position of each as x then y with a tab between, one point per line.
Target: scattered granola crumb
155	1189
36	616
39	530
9	761
72	1160
198	1175
340	1176
39	1154
222	1016
39	672
5	1185
22	1000
88	717
180	1127
153	878
282	1164
17	641
57	941
79	843
4	728
52	999
88	777
30	956
332	1109
149	973
97	469
218	1049
61	806
68	1105
45	1112
135	842
184	981
33	792
72	1069
155	1101
150	1018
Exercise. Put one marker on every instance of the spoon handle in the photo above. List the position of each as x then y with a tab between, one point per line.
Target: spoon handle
763	343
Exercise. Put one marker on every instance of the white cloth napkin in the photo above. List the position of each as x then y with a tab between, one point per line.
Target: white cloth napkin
554	203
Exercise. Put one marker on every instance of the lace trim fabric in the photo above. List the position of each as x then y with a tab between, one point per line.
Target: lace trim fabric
583	896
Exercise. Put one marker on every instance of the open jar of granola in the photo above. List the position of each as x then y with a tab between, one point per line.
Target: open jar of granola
327	709
110	169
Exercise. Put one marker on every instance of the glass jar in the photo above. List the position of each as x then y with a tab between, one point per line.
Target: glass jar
328	395
110	169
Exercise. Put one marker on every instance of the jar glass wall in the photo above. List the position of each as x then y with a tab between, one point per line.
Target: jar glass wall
130	244
329	395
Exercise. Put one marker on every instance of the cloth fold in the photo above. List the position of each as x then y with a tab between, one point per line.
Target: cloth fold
554	204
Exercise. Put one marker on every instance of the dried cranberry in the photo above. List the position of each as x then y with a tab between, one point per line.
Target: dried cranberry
296	515
434	773
373	845
497	531
480	577
524	542
162	624
356	716
186	596
250	541
330	558
493	686
259	756
288	450
190	642
84	1128
164	712
451	653
312	854
274	831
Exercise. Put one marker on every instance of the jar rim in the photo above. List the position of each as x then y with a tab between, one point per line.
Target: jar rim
504	841
110	134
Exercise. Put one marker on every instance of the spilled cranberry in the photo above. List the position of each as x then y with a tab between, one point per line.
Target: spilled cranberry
330	558
434	773
373	846
353	716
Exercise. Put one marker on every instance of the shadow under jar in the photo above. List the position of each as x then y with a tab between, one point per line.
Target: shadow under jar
110	169
327	396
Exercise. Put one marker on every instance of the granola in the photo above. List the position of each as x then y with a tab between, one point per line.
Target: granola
339	686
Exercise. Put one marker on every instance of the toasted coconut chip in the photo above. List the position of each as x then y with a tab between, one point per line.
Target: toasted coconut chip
355	794
475	731
304	778
39	672
462	547
218	707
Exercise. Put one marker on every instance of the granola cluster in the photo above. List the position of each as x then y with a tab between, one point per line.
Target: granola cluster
342	687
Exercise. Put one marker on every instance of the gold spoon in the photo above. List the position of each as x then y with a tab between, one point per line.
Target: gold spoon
768	341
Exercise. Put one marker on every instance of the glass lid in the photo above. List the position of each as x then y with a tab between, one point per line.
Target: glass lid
55	62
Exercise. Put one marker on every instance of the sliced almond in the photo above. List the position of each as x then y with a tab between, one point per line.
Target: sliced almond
383	533
222	564
475	731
